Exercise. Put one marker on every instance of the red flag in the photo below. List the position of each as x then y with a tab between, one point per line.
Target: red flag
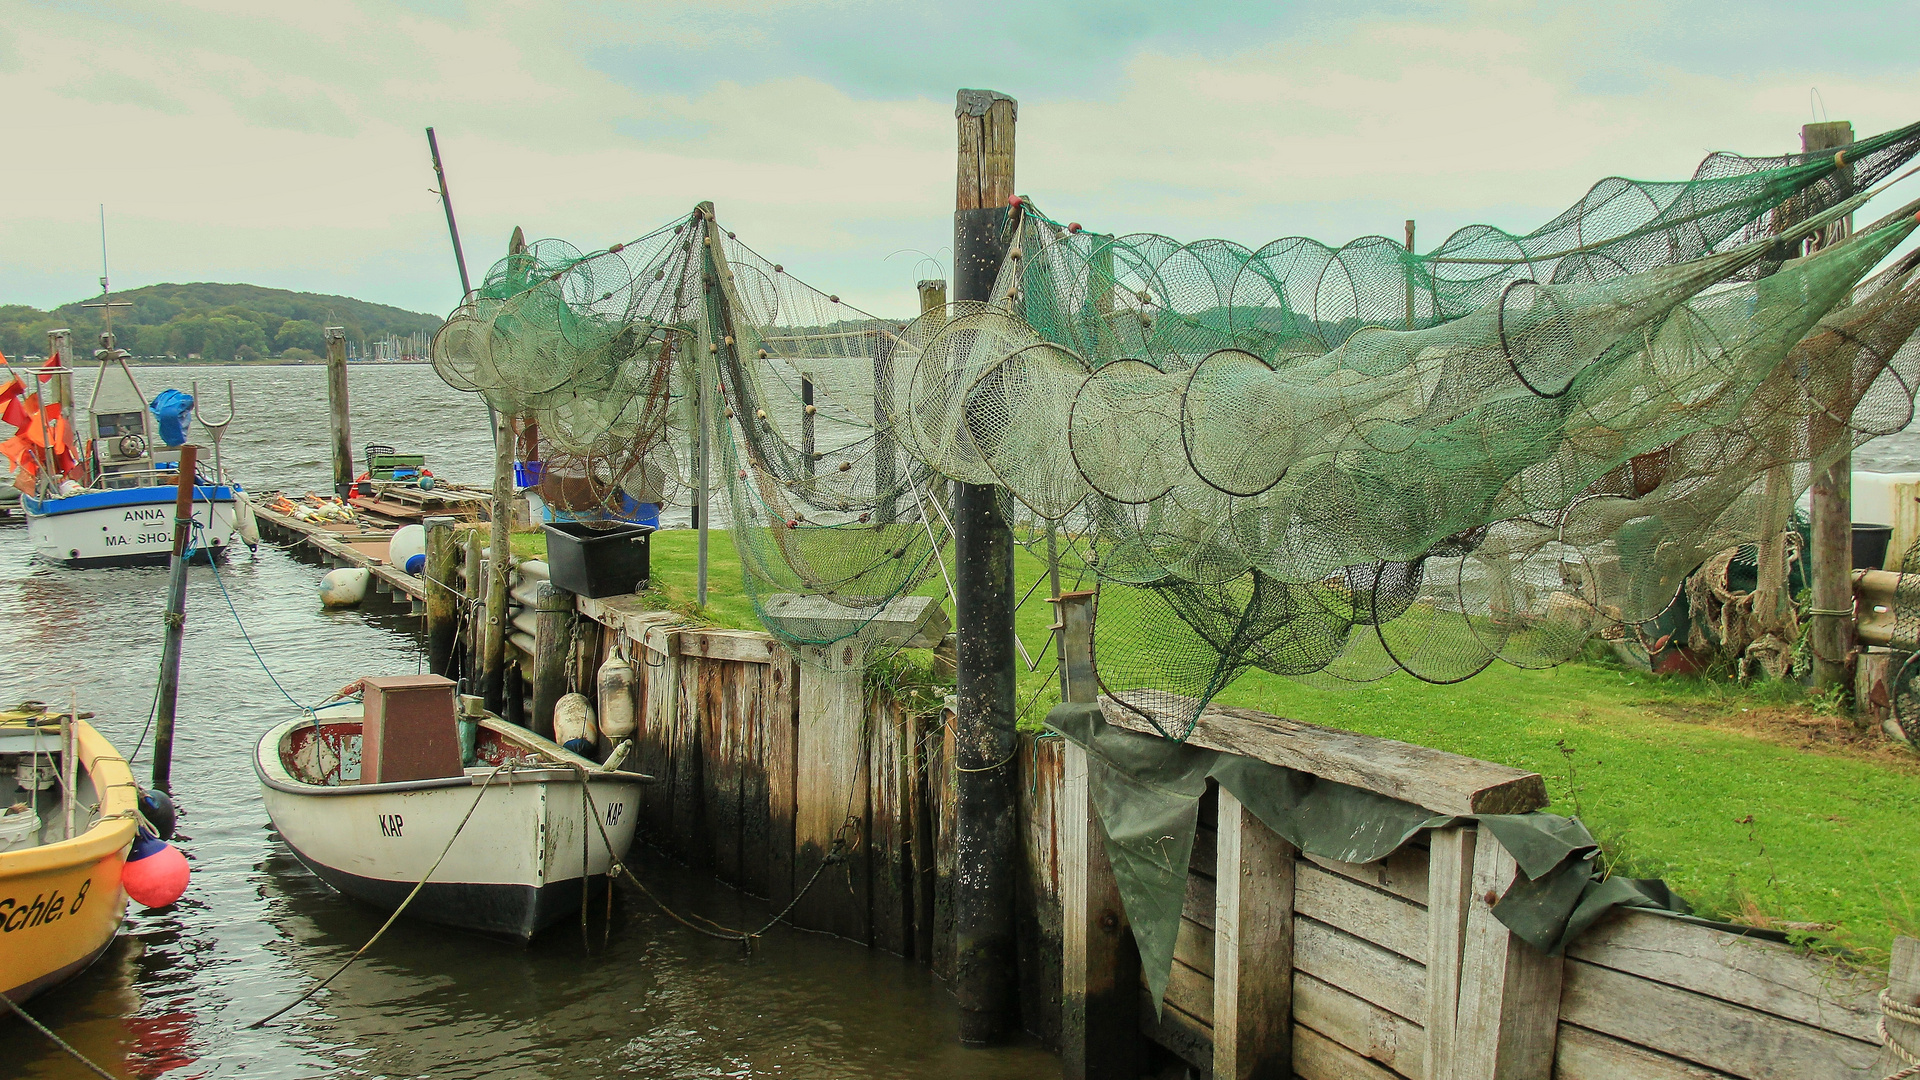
12	409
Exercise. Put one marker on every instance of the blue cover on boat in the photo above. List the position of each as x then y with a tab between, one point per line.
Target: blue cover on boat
174	410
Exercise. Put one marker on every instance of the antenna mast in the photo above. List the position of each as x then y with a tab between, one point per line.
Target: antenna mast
107	303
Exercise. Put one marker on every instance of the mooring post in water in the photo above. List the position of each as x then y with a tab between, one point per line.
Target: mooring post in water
471	600
552	641
176	620
984	738
1830	631
337	411
1099	962
443	555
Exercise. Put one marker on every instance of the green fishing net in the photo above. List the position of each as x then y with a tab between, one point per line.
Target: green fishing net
1331	464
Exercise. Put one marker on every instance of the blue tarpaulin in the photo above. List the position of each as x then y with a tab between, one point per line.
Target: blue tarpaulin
174	410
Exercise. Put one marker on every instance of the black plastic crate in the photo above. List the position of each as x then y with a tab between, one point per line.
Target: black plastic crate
598	561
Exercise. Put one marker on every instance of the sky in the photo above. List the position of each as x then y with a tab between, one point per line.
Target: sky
283	144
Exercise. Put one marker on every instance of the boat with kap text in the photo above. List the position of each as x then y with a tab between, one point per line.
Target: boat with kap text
67	819
514	868
122	514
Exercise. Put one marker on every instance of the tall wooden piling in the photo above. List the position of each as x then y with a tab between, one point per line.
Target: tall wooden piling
443	555
1831	498
552	641
337	425
985	740
493	661
470	601
168	693
1100	964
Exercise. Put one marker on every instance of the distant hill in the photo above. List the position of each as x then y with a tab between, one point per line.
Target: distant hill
222	322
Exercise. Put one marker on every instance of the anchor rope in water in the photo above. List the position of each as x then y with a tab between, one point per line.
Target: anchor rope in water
391	919
57	1040
835	854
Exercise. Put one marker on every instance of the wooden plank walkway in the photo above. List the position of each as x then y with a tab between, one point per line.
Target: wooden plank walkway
343	547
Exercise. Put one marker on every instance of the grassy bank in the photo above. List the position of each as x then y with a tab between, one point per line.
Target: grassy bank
1753	803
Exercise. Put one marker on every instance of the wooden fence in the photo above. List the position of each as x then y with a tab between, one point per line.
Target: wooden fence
1286	964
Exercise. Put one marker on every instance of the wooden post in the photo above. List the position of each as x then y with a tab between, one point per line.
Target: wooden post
443	554
1100	963
719	323
1449	898
493	661
832	786
1831	606
176	623
987	839
1903	985
886	464
552	640
1252	948
1509	1012
1408	270
472	598
341	431
806	423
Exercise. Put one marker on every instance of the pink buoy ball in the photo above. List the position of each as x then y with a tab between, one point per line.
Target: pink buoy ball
155	874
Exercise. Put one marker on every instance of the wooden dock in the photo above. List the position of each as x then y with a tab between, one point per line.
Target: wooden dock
363	543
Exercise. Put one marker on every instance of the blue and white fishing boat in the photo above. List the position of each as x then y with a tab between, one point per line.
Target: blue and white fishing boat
122	514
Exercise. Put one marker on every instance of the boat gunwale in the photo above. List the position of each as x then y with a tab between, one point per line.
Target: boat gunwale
565	766
112	833
114	498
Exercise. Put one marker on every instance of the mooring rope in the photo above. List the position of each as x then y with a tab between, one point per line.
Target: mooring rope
1894	1008
837	853
391	919
57	1040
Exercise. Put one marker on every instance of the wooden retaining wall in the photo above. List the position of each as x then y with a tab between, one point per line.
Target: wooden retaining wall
1286	964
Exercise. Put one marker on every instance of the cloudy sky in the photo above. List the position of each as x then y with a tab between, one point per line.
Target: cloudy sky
282	143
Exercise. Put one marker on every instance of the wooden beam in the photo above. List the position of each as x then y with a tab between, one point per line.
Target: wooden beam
1449	899
832	787
1100	964
1438	781
1830	498
1509	1011
1253	948
1903	985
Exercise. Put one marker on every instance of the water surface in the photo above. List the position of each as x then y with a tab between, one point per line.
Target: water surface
174	996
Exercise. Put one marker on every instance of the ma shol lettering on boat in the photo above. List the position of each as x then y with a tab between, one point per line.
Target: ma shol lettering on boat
107	499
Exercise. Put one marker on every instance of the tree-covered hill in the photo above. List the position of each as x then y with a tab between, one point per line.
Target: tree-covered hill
216	322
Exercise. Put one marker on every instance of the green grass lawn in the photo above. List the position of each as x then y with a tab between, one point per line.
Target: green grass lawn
1750	802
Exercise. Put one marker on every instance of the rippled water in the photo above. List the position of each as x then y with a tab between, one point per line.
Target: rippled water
175	994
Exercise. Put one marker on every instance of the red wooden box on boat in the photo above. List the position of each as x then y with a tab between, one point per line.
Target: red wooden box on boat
409	731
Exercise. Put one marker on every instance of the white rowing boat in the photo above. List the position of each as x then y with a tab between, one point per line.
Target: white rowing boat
514	868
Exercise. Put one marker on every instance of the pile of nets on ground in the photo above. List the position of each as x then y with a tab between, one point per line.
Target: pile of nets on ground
1331	464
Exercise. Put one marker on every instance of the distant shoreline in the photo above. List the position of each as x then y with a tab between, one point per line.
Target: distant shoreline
265	361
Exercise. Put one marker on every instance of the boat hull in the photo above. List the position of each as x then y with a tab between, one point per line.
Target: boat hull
62	903
127	526
515	866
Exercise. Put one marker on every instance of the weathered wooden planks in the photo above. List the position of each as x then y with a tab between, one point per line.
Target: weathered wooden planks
1506	1020
1589	1055
1316	1057
1362	968
831	792
1359	1025
1100	1024
1379	917
1442	782
1252	963
1757	974
1706	1030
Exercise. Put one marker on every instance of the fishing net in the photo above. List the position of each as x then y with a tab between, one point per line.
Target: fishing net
1410	500
1330	464
579	352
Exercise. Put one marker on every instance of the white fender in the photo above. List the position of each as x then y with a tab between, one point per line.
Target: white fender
345	587
573	725
615	685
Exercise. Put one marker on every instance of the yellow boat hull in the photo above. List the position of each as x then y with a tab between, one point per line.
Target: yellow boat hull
62	903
